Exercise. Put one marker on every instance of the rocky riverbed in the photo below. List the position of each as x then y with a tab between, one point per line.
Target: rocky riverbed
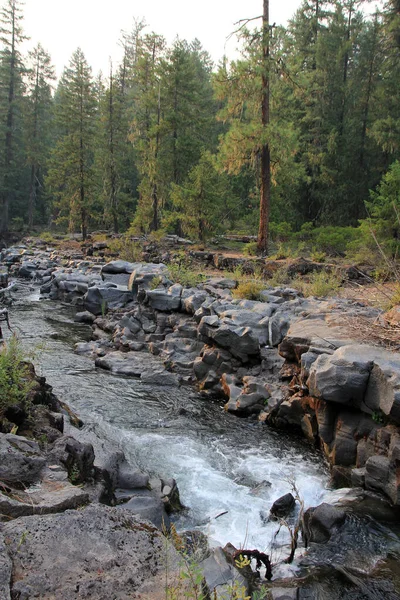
285	361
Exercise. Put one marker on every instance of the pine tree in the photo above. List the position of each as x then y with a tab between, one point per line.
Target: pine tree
114	155
37	122
145	131
71	174
204	199
11	90
254	140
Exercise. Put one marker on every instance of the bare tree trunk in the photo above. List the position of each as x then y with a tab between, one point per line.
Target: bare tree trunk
265	192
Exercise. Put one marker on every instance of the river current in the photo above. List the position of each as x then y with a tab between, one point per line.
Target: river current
222	464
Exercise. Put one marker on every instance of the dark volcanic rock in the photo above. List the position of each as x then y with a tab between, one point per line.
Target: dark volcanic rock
100	552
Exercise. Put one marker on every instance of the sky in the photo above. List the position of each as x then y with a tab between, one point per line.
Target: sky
95	25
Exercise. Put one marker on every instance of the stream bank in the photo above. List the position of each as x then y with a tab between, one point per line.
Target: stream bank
240	460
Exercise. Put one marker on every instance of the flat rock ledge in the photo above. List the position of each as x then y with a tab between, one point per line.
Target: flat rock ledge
98	552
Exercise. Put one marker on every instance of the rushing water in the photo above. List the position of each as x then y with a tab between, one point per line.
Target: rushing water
218	460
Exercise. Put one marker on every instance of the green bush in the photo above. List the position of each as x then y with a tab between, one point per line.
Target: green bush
250	249
126	249
16	381
280	232
333	241
184	275
320	284
249	290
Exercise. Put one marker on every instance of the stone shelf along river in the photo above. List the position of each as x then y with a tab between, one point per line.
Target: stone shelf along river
222	464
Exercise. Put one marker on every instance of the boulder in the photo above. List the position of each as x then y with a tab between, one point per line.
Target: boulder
220	575
119	266
21	460
75	456
98	299
102	553
282	507
147	506
321	522
361	376
84	317
341	378
5	570
54	494
164	300
27	269
144	274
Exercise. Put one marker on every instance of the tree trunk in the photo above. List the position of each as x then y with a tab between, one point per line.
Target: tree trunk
265	191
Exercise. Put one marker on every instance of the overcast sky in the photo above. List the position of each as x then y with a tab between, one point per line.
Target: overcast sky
95	25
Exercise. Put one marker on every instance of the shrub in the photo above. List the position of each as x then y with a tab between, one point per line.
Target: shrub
318	256
280	232
16	381
249	290
320	284
250	249
126	249
331	240
184	275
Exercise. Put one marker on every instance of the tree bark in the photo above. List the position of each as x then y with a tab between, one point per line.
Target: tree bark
265	191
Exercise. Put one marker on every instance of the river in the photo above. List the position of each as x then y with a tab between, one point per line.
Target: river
222	464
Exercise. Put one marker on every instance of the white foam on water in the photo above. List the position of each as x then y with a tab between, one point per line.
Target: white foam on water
209	484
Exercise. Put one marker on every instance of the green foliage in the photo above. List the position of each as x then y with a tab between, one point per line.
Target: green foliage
185	275
320	284
202	199
384	208
333	241
250	249
318	256
126	249
15	378
377	416
71	175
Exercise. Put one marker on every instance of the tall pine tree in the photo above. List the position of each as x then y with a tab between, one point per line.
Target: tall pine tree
71	173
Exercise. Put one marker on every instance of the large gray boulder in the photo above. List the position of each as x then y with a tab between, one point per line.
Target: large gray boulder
119	266
340	378
221	576
21	460
98	299
163	300
364	377
144	274
322	521
99	552
118	271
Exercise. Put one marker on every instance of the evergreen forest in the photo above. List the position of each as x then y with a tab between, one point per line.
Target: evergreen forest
168	141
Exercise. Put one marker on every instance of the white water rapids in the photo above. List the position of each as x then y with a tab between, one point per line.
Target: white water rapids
222	464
